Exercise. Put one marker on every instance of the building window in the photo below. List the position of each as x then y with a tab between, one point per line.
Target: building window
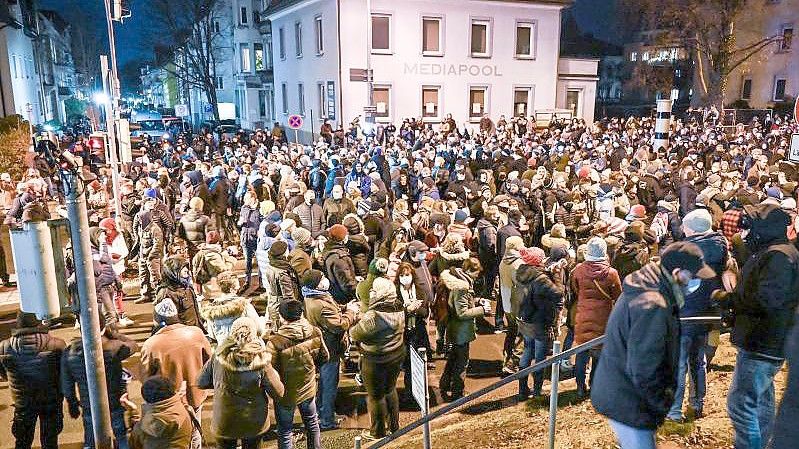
787	37
281	40
779	89
270	95
320	43
244	54
262	103
645	56
301	99
381	33
268	53
13	66
431	36
573	101
521	101
260	63
525	40
477	102
298	38
220	83
216	26
284	90
243	18
430	102
481	38
321	91
382	98
633	56
746	89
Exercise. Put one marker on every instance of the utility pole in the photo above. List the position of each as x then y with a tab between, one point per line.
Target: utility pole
87	299
110	123
370	85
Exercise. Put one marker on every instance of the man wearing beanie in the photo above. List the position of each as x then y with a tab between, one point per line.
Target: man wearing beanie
633	251
279	279
165	422
29	362
177	352
338	265
116	348
634	383
694	337
334	321
300	256
297	348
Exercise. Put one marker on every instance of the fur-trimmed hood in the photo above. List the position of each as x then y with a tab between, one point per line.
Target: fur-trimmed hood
224	308
455	257
455	280
229	357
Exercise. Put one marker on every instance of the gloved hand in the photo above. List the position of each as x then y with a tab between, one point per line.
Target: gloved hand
74	410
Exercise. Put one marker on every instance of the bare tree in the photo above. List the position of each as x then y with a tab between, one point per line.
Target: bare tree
720	35
190	43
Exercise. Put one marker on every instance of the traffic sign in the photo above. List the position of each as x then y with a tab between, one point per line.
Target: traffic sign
295	121
181	110
208	108
793	154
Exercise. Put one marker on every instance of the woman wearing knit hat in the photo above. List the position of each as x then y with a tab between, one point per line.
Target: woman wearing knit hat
507	285
596	286
357	244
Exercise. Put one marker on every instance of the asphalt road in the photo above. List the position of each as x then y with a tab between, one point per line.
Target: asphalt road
483	370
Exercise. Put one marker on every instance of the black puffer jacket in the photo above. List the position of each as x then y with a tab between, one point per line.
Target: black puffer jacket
340	270
541	302
73	371
361	254
179	291
30	361
193	227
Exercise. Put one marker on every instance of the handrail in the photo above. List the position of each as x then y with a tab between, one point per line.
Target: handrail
565	355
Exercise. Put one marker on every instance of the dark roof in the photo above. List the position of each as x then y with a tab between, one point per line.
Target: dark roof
58	22
573	42
279	5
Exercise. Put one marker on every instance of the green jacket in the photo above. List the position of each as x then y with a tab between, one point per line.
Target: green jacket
380	330
461	327
297	348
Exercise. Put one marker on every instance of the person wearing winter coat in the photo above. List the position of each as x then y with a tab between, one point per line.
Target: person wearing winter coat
310	213
220	314
596	286
636	377
194	226
417	308
764	303
30	363
507	285
219	190
461	326
697	225
279	280
379	335
300	257
487	249
633	251
209	264
338	265
357	244
166	422
151	249
243	379
296	349
334	321
786	432
116	348
248	224
538	312
177	352
105	278
336	207
176	285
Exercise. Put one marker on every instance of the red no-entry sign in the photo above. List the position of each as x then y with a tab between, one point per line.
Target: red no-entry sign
295	122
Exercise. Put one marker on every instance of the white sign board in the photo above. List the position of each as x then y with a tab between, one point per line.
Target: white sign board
793	155
419	378
181	110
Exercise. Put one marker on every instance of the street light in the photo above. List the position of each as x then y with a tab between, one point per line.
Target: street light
101	98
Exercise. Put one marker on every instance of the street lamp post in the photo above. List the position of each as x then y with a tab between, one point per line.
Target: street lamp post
111	86
369	116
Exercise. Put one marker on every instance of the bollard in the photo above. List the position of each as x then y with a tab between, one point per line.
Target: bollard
553	394
662	125
358	442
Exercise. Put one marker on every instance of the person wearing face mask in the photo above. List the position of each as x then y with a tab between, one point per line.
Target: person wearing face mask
635	380
336	207
248	224
697	226
416	302
176	284
310	213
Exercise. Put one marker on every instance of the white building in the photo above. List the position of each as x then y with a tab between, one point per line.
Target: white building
56	65
20	85
462	57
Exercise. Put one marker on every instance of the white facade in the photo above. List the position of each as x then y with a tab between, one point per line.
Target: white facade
20	91
461	57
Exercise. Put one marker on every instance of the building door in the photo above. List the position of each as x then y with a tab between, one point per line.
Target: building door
573	101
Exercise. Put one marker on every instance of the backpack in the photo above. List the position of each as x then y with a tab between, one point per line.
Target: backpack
630	258
439	309
202	269
660	226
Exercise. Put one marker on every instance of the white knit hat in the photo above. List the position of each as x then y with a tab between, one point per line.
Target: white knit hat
596	250
166	308
698	221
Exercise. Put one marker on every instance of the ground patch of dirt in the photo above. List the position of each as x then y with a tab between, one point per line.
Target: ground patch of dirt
504	424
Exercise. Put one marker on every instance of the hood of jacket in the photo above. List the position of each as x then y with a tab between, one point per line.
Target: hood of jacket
171	269
597	270
484	223
527	273
163	418
298	330
249	356
648	279
455	257
224	307
714	248
453	281
511	257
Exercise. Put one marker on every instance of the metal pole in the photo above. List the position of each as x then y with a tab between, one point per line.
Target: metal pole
553	394
296	138
113	48
87	298
426	408
110	124
358	442
369	78
313	136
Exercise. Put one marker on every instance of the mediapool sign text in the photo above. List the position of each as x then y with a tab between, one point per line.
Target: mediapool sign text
452	69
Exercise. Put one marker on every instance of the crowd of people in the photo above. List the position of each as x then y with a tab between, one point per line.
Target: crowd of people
365	246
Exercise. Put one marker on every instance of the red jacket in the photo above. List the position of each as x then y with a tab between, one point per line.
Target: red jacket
596	286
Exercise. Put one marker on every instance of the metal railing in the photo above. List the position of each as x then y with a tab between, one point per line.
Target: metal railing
556	358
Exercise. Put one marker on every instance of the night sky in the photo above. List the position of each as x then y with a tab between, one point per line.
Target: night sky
593	16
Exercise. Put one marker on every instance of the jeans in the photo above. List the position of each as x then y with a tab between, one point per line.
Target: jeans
581	364
380	382
51	423
692	360
246	443
326	393
118	426
750	401
632	438
249	254
568	341
452	379
284	415
533	347
510	339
